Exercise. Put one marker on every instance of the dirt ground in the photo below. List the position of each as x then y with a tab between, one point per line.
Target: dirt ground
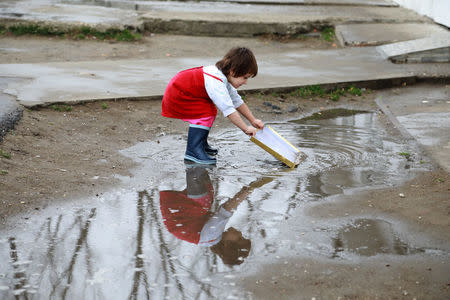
57	154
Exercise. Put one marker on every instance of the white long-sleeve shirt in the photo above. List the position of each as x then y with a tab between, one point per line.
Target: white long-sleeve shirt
222	93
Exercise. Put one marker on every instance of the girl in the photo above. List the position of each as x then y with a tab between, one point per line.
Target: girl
193	94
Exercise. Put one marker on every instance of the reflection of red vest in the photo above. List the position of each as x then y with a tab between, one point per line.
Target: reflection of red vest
186	97
185	217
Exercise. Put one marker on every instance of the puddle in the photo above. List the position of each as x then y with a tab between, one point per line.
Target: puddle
368	237
173	230
330	114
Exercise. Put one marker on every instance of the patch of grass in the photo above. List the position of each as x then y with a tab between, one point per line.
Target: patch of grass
406	155
328	34
309	91
79	33
336	94
104	105
3	172
61	107
5	154
354	91
80	36
34	29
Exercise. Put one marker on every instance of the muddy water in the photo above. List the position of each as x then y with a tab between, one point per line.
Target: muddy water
176	231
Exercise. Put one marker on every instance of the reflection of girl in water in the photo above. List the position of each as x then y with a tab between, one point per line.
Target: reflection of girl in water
187	216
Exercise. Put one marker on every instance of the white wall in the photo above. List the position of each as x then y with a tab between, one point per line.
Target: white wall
438	10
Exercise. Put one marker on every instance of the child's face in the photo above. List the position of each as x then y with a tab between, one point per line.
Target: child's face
238	81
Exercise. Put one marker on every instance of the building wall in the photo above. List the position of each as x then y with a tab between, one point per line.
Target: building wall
438	10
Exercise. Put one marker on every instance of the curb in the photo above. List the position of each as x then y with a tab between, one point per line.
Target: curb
231	29
375	84
9	120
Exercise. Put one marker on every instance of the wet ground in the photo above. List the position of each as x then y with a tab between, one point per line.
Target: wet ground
178	231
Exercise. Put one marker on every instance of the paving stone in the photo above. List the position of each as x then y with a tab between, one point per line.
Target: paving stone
431	49
320	2
379	34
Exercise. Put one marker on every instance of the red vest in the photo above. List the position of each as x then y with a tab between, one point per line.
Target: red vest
185	217
186	97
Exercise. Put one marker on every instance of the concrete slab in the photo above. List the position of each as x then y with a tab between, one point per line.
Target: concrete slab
52	12
378	34
431	49
278	13
423	113
320	2
202	18
10	110
229	19
46	83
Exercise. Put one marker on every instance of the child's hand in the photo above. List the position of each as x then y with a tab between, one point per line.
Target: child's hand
258	124
251	131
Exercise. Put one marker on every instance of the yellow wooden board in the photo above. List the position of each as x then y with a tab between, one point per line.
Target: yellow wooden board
272	142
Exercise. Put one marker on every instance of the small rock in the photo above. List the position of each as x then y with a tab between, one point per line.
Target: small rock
292	108
401	195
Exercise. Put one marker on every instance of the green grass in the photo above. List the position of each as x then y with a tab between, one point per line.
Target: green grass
104	105
3	172
34	30
2	29
312	91
309	91
78	33
405	154
61	107
354	91
5	154
336	94
328	34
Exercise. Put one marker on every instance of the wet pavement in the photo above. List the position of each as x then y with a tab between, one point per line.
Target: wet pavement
147	79
422	113
210	18
177	231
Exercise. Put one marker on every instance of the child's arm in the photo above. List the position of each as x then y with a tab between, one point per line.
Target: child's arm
245	111
236	119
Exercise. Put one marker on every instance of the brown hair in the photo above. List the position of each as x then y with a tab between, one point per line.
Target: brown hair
233	250
240	61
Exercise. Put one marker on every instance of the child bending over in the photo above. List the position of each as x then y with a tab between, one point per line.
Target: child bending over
193	95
